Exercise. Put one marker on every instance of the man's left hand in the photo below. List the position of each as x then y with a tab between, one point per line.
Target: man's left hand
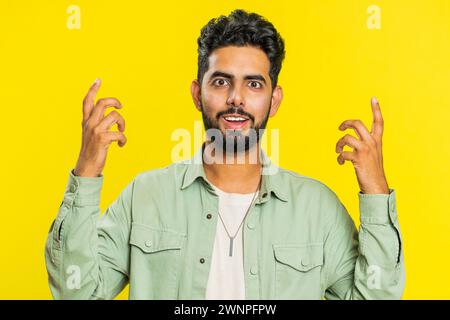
367	156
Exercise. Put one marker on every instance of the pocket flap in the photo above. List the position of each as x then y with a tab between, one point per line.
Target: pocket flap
153	240
301	257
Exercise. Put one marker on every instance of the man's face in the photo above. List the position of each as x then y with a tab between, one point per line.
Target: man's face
236	94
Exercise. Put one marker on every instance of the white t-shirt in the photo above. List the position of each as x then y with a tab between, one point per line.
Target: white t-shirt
226	276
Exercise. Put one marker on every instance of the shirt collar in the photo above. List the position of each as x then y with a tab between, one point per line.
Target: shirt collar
271	181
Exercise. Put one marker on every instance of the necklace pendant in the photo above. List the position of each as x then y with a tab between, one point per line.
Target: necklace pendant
231	247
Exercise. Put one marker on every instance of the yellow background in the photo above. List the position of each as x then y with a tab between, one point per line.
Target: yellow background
145	53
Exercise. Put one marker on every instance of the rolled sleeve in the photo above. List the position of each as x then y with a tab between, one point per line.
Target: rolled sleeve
378	208
83	191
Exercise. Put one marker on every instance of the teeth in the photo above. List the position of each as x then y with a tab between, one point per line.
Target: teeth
235	119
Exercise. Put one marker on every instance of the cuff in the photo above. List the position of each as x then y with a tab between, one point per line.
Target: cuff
82	191
378	208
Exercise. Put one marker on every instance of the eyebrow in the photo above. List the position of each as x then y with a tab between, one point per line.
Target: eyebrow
230	76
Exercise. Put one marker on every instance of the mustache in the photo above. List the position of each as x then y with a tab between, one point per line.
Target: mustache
235	110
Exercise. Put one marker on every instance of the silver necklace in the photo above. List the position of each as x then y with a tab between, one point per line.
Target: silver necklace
251	203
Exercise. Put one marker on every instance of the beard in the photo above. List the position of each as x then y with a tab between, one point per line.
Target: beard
234	141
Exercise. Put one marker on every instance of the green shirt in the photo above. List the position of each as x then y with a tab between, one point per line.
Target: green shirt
299	241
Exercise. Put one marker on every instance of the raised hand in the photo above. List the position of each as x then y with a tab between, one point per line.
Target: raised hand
367	156
96	135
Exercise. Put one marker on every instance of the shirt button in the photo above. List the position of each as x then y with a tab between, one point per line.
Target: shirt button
250	225
208	216
254	270
73	188
305	262
148	243
202	260
391	204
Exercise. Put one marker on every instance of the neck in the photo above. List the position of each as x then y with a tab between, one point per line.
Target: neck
240	173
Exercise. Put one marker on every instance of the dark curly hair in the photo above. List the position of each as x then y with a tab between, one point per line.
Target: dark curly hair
241	28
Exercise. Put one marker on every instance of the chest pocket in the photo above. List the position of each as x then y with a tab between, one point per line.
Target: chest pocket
155	261
298	270
151	240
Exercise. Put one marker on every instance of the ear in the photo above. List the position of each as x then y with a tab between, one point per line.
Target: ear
277	96
196	94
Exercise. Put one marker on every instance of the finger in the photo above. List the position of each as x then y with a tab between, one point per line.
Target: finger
378	123
88	102
348	140
346	156
112	118
359	128
101	105
109	137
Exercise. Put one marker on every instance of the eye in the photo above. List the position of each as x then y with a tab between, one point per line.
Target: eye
219	82
255	84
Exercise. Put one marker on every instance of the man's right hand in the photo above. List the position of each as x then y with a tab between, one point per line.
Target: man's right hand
96	135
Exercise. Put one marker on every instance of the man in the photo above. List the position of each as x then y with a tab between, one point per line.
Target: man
216	229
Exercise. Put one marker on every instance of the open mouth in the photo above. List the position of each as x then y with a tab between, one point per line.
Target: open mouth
234	121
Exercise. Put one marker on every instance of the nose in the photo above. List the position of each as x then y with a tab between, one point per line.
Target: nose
235	97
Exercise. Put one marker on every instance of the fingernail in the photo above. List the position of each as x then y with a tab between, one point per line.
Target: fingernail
374	100
97	81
